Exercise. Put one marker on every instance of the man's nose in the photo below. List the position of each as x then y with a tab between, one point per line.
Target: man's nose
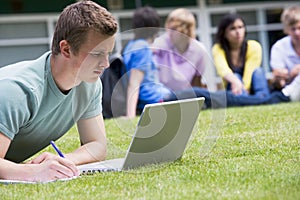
105	62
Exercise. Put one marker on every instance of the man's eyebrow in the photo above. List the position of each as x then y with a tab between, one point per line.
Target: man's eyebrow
99	51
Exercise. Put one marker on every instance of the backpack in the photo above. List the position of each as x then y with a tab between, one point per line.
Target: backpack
114	91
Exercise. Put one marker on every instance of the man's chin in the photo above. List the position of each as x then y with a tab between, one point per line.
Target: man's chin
93	80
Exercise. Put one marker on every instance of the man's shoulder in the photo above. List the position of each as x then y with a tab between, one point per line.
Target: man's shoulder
197	45
24	77
163	41
41	58
283	42
138	44
136	49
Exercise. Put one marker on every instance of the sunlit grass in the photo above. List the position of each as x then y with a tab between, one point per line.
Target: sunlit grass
237	153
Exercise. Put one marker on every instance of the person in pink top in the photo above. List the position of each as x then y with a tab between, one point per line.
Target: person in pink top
180	58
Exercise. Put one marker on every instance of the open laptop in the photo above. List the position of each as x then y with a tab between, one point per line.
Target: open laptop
161	136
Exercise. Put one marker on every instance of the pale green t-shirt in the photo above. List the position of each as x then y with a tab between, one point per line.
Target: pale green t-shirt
33	111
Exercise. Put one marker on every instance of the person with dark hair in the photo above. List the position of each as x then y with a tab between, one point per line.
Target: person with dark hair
145	17
42	99
238	60
143	86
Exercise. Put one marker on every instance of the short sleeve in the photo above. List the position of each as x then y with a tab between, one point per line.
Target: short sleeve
16	106
142	58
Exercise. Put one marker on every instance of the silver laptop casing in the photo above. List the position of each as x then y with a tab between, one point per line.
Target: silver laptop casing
161	135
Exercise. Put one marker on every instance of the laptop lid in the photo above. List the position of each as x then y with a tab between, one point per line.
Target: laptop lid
162	132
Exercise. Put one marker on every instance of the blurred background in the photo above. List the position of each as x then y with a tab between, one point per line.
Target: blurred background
26	26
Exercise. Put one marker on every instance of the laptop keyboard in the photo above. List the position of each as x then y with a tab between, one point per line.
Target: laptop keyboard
93	171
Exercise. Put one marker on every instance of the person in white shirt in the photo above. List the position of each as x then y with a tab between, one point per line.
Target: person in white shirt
285	56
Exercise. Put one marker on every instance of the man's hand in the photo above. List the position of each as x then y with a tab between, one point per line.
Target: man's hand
281	73
47	167
237	87
281	77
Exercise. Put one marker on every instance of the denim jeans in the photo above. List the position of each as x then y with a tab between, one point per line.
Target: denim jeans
212	99
259	84
223	98
218	99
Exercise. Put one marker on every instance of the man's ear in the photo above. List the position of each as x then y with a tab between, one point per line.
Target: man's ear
65	48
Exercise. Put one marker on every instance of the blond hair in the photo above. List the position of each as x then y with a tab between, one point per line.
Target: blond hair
290	16
183	21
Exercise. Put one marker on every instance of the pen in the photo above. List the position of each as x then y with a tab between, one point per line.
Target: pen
56	149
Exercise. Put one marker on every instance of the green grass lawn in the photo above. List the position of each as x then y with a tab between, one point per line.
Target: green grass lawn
235	153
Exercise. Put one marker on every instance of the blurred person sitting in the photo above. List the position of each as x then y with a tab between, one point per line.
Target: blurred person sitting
285	57
143	85
180	58
238	60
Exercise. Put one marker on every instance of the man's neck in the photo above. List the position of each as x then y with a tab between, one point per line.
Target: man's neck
62	76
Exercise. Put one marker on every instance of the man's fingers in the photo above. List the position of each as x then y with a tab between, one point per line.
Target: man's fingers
41	158
68	167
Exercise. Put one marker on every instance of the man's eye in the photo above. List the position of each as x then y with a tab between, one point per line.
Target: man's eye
97	54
